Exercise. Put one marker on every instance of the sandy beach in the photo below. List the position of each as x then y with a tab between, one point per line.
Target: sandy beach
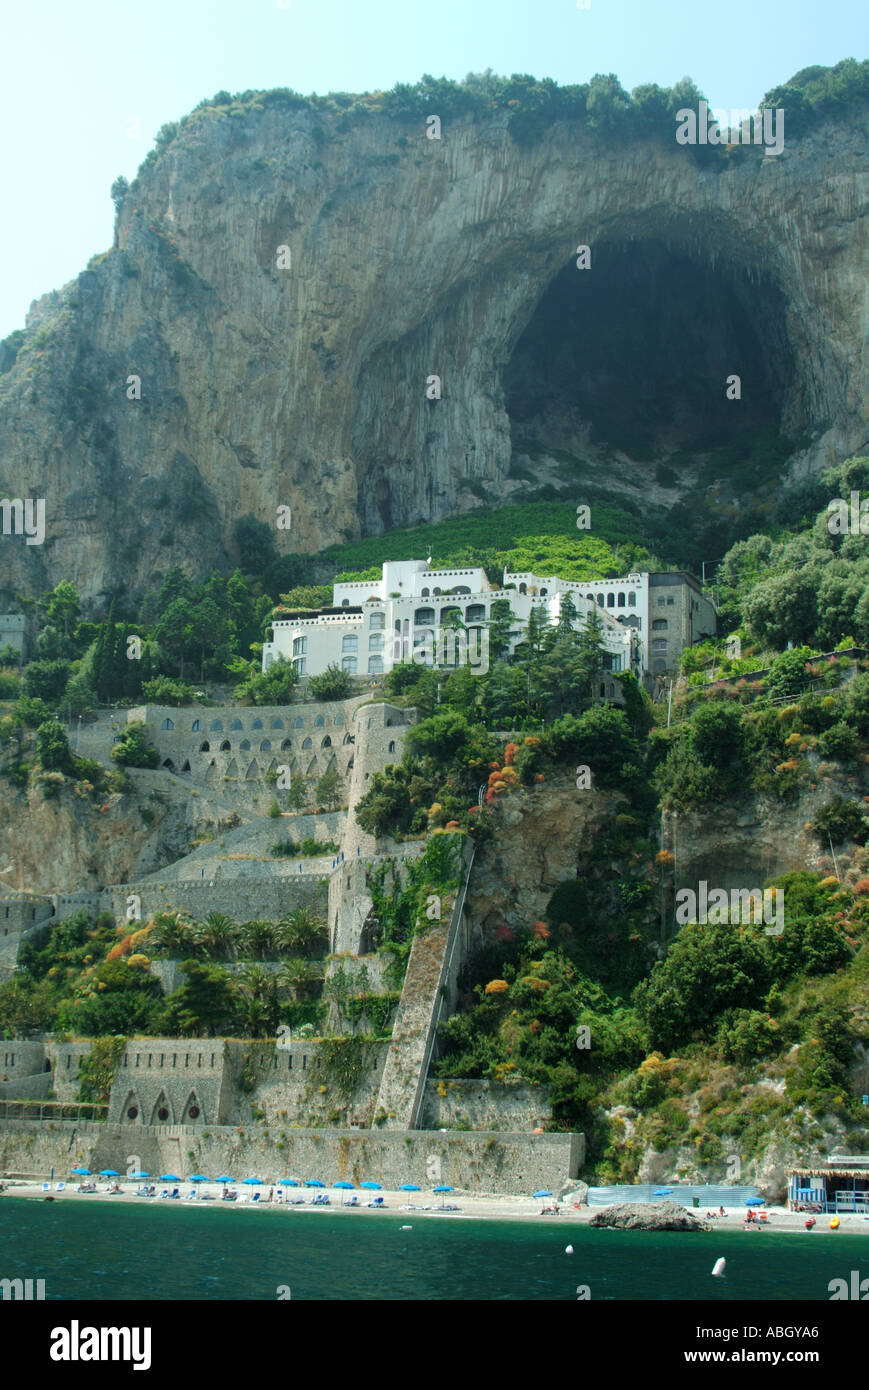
471	1206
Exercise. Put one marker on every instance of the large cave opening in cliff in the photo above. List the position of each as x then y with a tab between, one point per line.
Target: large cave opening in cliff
627	363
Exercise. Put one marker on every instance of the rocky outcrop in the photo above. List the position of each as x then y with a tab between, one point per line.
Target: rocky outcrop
648	1216
262	386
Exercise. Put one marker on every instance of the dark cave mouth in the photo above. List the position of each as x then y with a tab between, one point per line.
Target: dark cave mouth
633	357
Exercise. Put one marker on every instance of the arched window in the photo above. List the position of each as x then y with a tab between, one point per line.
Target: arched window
298	723
602	690
543	593
217	726
197	726
600	600
610	600
475	612
186	767
319	722
265	746
632	599
376	622
287	743
375	668
659	624
167	724
348	664
339	721
205	747
350	643
277	723
169	763
621	599
523	588
424	617
257	724
590	598
424	593
345	603
226	746
392	746
307	743
236	724
436	592
245	744
659	644
327	742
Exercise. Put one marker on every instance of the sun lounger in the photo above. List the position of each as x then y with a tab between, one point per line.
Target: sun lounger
256	1196
46	1187
61	1187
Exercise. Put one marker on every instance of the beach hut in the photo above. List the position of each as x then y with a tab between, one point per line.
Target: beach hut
838	1185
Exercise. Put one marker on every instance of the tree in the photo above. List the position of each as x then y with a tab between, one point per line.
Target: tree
256	544
566	619
590	655
440	736
332	684
134	748
297	794
118	191
52	746
501	623
206	1002
46	680
329	790
272	687
62	608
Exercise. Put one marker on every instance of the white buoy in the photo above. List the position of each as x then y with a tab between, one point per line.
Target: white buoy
718	1268
568	1249
405	1228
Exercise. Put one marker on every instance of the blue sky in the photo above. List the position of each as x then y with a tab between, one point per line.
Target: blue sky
75	79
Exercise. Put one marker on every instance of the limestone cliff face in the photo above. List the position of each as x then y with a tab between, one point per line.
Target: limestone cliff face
71	845
306	386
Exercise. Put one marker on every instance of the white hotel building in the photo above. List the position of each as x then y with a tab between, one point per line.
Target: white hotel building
647	618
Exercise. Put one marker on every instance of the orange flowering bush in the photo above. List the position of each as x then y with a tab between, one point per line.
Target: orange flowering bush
665	856
497	987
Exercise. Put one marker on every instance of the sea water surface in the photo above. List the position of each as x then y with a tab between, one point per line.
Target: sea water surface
169	1251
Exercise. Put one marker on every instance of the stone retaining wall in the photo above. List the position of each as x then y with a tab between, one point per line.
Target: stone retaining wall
494	1163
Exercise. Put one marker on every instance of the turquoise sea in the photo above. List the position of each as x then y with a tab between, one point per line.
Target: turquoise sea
175	1252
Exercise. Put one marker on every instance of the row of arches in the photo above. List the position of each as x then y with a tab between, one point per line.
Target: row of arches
266	745
162	1112
253	772
216	726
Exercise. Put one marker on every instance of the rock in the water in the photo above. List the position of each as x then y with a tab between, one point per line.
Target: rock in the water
649	1216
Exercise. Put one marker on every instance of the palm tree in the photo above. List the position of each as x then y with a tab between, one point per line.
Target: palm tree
218	936
172	934
303	931
300	977
258	989
257	939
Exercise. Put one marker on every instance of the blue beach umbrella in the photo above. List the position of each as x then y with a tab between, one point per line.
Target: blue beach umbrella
541	1193
443	1188
287	1182
662	1192
373	1186
409	1187
314	1182
224	1178
198	1177
109	1173
85	1172
755	1202
252	1182
136	1177
347	1185
168	1177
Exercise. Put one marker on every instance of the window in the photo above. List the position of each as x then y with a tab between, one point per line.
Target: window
167	724
349	643
424	593
621	602
226	746
265	746
600	600
245	744
375	642
377	622
475	613
339	721
670	602
319	722
375	667
660	624
205	747
348	664
610	600
298	723
236	724
300	646
217	726
424	617
307	743
257	724
277	723
661	602
197	726
632	600
659	644
392	746
301	665
327	742
345	603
